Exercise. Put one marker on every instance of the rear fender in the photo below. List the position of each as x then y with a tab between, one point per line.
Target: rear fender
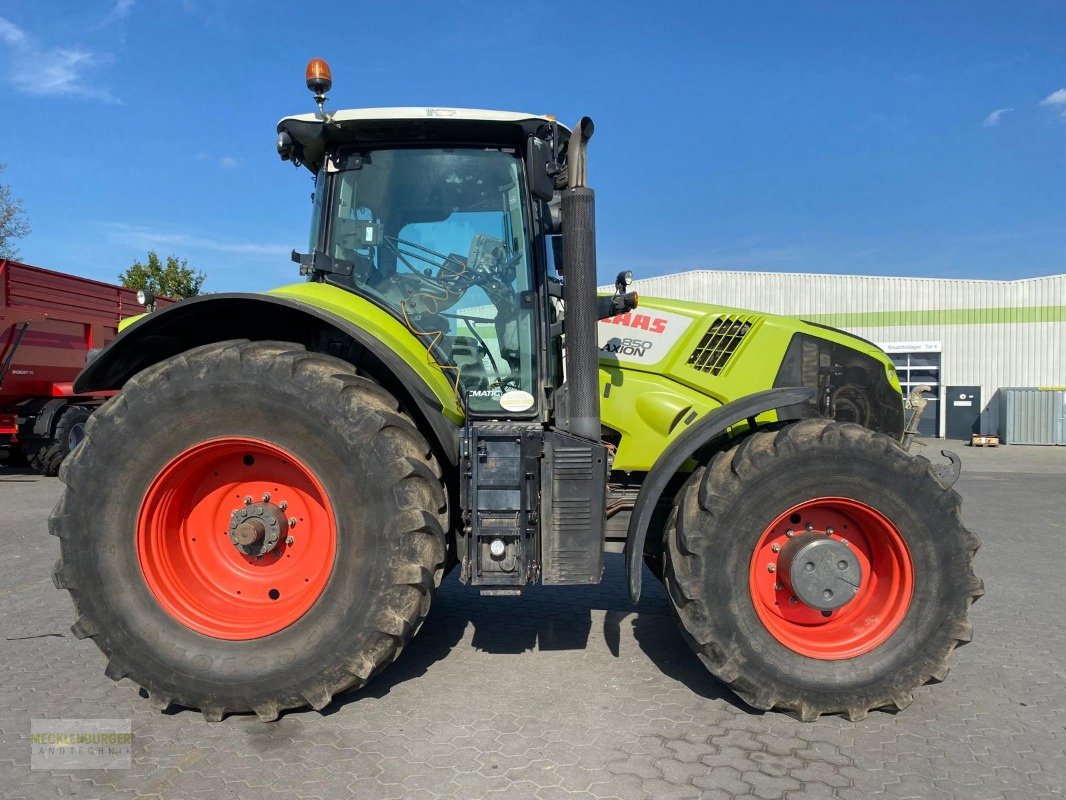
257	317
37	417
788	402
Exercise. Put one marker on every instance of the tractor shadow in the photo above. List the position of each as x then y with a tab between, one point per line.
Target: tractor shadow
551	618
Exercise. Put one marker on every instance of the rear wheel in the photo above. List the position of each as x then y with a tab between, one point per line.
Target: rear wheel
250	526
47	455
821	569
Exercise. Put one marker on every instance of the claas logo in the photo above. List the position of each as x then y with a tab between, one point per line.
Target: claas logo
639	321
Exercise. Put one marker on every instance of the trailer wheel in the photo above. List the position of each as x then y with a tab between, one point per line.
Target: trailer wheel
47	455
250	527
821	569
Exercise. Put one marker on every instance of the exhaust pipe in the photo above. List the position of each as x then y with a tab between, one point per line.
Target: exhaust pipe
579	291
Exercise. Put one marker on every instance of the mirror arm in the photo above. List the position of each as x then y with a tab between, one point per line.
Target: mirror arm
315	261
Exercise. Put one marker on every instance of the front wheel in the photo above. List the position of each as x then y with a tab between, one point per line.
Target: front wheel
250	527
821	569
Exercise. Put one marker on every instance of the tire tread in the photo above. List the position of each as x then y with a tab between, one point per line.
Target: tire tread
706	499
407	460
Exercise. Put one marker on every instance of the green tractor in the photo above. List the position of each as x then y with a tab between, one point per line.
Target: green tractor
259	520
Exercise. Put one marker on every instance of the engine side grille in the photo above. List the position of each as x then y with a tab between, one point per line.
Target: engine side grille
721	340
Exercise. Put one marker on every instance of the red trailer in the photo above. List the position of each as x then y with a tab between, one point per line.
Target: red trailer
48	323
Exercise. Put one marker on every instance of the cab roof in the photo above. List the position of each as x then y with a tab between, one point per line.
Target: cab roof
311	137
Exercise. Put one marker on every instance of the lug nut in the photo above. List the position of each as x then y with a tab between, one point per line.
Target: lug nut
266	497
792	600
248	500
828	531
289	540
776	548
810	526
283	505
789	533
771	568
292	522
778	587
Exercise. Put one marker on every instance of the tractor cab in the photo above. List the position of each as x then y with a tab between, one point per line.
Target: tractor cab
442	218
429	213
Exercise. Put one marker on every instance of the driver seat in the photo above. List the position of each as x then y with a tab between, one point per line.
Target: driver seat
469	356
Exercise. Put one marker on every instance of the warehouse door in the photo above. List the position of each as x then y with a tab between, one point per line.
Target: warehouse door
963	411
919	363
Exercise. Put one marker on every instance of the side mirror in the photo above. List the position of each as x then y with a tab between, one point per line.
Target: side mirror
539	157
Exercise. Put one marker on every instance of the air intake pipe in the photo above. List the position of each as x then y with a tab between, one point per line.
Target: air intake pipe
579	291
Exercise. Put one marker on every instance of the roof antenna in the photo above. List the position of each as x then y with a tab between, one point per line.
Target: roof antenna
319	81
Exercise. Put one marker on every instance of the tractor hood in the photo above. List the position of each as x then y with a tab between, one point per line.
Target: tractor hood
651	334
711	355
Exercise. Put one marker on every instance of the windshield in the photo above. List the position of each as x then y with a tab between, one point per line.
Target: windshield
439	236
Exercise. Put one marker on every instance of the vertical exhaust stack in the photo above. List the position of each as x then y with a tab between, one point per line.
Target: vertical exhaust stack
574	466
579	291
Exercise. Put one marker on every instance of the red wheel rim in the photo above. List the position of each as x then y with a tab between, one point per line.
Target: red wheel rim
876	610
190	562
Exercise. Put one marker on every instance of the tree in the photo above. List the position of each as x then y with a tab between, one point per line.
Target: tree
13	224
175	278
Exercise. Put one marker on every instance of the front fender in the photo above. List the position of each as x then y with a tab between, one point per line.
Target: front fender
369	337
785	401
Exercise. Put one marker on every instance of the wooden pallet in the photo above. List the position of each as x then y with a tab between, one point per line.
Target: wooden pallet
984	441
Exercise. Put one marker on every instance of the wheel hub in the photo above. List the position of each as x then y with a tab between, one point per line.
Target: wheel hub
222	564
821	572
797	560
257	528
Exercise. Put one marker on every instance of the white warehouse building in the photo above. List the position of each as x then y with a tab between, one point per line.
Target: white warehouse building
965	338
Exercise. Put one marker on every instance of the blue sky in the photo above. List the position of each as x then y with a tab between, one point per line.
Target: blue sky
899	138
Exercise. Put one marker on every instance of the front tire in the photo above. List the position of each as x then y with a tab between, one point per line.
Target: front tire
879	511
250	527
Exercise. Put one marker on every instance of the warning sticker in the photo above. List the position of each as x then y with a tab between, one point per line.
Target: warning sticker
640	337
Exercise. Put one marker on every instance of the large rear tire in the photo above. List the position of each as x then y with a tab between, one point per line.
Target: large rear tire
250	527
838	488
